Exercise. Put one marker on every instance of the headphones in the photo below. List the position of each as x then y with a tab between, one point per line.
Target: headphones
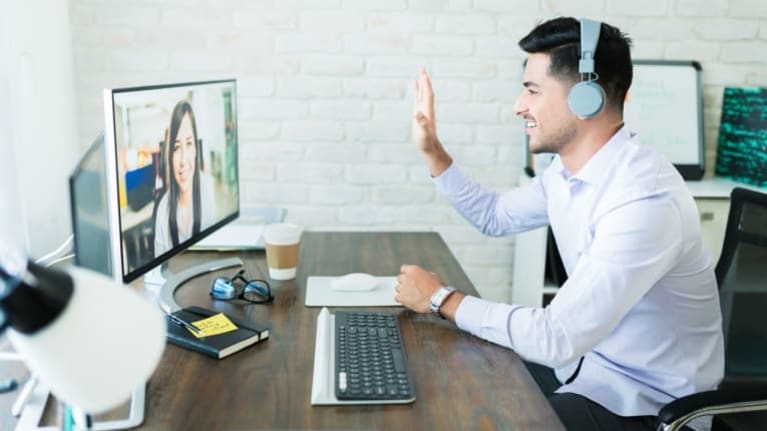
587	98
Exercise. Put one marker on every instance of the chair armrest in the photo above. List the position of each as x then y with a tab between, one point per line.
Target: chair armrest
720	401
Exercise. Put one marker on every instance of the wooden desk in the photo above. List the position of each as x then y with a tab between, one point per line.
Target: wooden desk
461	382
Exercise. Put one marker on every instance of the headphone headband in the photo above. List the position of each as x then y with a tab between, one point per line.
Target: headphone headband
590	30
587	98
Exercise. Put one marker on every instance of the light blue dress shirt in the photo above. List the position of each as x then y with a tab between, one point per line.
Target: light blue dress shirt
640	304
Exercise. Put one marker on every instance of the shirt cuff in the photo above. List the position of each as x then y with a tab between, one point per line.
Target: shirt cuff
485	319
468	315
451	179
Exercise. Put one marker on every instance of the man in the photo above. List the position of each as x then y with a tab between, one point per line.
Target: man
637	324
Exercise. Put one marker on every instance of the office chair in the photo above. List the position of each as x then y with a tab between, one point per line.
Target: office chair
741	274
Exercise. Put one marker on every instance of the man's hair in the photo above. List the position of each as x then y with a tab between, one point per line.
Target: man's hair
560	39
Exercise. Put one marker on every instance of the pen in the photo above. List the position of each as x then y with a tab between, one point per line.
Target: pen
181	322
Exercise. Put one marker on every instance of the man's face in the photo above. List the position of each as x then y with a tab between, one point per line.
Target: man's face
543	105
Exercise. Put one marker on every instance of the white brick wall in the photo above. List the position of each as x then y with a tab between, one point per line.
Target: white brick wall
325	91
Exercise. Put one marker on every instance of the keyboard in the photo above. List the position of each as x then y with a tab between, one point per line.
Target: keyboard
370	358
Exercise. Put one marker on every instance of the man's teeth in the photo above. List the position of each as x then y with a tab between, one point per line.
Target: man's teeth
531	124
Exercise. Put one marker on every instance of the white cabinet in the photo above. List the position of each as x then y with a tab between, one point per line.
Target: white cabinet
530	282
713	221
713	199
527	281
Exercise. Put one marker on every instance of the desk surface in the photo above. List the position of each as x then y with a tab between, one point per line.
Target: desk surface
461	382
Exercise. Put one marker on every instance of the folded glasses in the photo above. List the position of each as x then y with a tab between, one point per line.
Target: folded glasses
255	291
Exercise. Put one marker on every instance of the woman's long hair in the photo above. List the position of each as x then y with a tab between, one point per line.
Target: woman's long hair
182	108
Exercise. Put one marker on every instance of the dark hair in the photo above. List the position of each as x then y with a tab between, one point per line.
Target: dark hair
181	109
560	38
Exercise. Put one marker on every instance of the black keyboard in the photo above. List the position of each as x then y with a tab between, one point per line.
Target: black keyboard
370	358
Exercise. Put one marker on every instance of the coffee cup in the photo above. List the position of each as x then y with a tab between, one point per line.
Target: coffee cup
283	242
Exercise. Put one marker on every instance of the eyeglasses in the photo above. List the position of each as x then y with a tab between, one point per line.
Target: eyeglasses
255	291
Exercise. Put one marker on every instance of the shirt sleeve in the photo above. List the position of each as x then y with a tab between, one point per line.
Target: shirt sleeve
633	246
485	319
494	214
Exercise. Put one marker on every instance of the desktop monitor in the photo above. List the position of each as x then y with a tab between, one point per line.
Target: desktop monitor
90	218
162	176
171	169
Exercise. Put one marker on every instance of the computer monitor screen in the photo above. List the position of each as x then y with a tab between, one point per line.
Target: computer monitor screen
171	156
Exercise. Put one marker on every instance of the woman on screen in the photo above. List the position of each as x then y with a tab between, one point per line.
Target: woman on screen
184	209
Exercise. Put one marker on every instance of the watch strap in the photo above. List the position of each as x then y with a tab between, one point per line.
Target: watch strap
438	298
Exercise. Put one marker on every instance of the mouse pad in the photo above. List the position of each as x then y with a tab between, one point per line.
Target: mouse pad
320	294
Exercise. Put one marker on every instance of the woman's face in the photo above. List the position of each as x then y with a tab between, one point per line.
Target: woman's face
184	155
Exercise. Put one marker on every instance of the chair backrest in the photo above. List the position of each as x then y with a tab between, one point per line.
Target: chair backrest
742	276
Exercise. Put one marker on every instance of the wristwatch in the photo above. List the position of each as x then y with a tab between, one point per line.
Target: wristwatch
438	298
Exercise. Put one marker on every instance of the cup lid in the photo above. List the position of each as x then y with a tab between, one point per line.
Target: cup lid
282	233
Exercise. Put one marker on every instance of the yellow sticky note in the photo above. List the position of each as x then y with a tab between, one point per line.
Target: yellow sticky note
214	325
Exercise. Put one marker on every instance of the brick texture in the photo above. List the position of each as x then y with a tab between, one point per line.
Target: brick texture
326	92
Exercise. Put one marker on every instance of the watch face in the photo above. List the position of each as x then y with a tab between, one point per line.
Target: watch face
433	306
438	298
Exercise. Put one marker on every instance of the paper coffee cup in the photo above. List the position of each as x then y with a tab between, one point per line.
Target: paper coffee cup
283	242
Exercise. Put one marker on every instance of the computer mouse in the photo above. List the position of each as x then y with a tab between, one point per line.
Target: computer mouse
354	282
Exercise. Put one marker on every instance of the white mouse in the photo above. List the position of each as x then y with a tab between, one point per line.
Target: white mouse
354	282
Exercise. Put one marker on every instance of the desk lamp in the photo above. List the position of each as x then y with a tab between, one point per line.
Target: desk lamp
91	340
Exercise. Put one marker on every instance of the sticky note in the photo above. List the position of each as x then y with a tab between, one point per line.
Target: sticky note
214	325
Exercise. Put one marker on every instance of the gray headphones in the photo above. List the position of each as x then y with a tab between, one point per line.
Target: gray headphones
586	98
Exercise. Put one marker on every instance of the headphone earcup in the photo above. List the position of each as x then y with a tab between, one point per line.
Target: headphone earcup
586	99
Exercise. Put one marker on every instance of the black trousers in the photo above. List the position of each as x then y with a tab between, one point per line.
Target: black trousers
579	413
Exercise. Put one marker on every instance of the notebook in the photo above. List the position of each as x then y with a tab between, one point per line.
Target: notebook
216	346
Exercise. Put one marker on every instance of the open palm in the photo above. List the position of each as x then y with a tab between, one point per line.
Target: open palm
424	122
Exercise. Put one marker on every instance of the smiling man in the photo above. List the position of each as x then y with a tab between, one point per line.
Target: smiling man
637	323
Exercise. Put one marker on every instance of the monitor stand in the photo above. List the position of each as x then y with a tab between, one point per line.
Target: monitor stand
153	282
166	301
154	278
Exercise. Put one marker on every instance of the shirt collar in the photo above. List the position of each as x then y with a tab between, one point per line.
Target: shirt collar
597	167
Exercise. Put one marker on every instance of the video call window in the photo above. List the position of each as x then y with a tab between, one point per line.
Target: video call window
176	156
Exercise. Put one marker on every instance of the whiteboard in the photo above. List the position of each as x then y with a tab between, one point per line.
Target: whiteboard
665	107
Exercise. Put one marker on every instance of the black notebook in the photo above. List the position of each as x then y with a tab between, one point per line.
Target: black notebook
216	346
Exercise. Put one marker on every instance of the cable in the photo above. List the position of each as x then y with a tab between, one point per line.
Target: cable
62	258
61	248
